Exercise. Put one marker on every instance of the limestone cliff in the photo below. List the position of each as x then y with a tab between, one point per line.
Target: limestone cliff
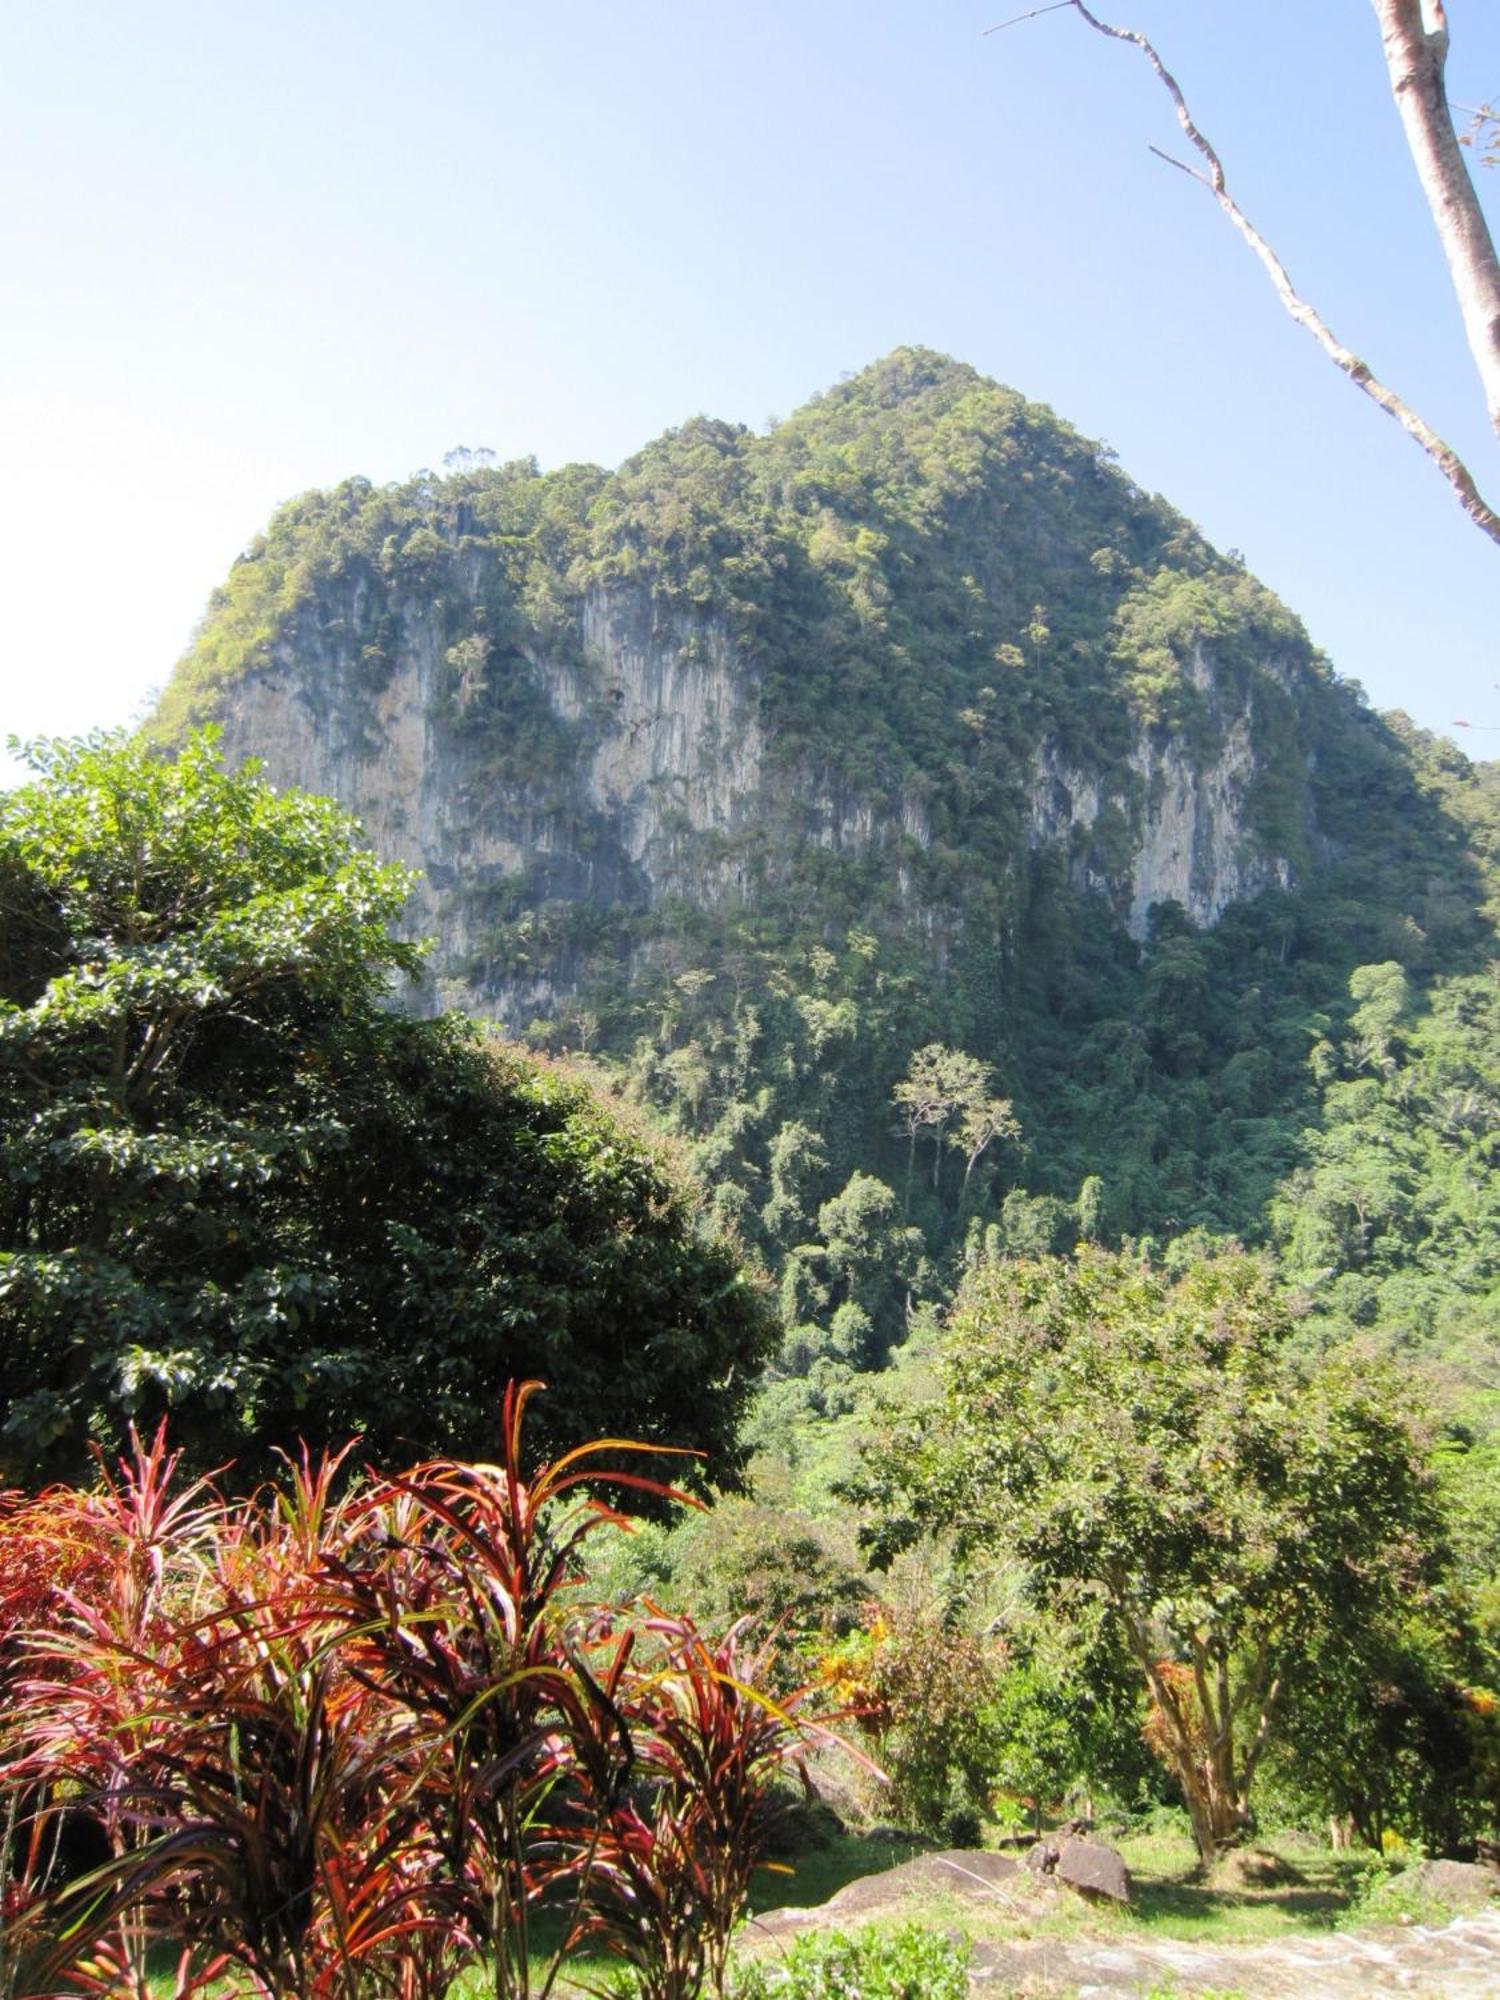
880	666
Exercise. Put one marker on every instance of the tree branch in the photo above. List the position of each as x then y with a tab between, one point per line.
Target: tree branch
1053	7
1263	1731
1442	454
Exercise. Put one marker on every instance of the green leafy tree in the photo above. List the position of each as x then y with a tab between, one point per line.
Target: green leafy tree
869	1255
1141	1439
941	1086
235	1184
797	1155
1397	1736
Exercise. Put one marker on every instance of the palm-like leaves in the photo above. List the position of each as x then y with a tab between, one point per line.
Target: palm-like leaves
343	1737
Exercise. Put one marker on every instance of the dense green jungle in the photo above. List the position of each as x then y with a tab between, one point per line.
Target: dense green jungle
1011	1074
888	1060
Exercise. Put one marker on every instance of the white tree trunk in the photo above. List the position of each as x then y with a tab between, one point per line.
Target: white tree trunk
1415	37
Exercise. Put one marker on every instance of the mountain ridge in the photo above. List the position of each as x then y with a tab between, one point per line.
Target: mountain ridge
656	631
766	762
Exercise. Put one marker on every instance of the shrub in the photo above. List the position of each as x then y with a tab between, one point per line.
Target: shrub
347	1735
905	1964
924	1692
672	1869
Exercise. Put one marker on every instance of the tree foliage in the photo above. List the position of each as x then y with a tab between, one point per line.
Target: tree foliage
1142	1441
236	1185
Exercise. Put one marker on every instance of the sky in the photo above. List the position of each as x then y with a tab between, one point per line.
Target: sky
247	251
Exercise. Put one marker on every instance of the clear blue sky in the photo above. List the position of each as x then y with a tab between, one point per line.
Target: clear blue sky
248	250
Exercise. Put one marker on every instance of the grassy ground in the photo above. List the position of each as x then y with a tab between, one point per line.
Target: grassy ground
1318	1890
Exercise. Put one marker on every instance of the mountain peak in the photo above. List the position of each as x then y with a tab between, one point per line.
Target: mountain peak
907	373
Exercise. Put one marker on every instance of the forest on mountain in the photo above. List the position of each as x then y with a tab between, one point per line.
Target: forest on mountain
927	585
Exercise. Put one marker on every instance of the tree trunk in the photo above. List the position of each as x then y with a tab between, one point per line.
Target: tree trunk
1412	51
1216	1795
1414	34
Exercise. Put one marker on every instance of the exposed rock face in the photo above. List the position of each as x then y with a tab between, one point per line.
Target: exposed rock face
1185	823
814	673
665	749
664	791
683	749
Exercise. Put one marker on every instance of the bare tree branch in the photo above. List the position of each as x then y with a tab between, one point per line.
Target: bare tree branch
1359	372
1052	7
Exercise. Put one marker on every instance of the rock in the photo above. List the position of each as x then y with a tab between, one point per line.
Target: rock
1253	1868
1093	1869
969	1870
1459	1882
796	1826
968	1875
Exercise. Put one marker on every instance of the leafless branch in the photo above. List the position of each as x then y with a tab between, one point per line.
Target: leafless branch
1053	7
1359	372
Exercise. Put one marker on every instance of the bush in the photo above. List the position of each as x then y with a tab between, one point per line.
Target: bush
905	1964
1399	1895
925	1693
348	1735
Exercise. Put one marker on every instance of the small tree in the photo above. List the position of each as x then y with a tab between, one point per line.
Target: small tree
942	1085
1143	1440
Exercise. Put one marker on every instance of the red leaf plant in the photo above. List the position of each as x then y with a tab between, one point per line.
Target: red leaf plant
463	1586
249	1788
102	1562
673	1864
344	1737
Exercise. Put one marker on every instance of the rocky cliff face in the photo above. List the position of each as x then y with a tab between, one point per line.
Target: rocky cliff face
1184	825
579	719
663	772
666	793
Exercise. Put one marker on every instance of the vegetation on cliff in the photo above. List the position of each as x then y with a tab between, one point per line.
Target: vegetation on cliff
926	584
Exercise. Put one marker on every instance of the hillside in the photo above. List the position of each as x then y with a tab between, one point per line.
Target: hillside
768	761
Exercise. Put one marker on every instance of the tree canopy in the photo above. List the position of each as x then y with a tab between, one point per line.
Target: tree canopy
234	1184
1139	1440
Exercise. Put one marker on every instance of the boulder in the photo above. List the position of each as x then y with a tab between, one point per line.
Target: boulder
1458	1882
1094	1870
1253	1868
970	1870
